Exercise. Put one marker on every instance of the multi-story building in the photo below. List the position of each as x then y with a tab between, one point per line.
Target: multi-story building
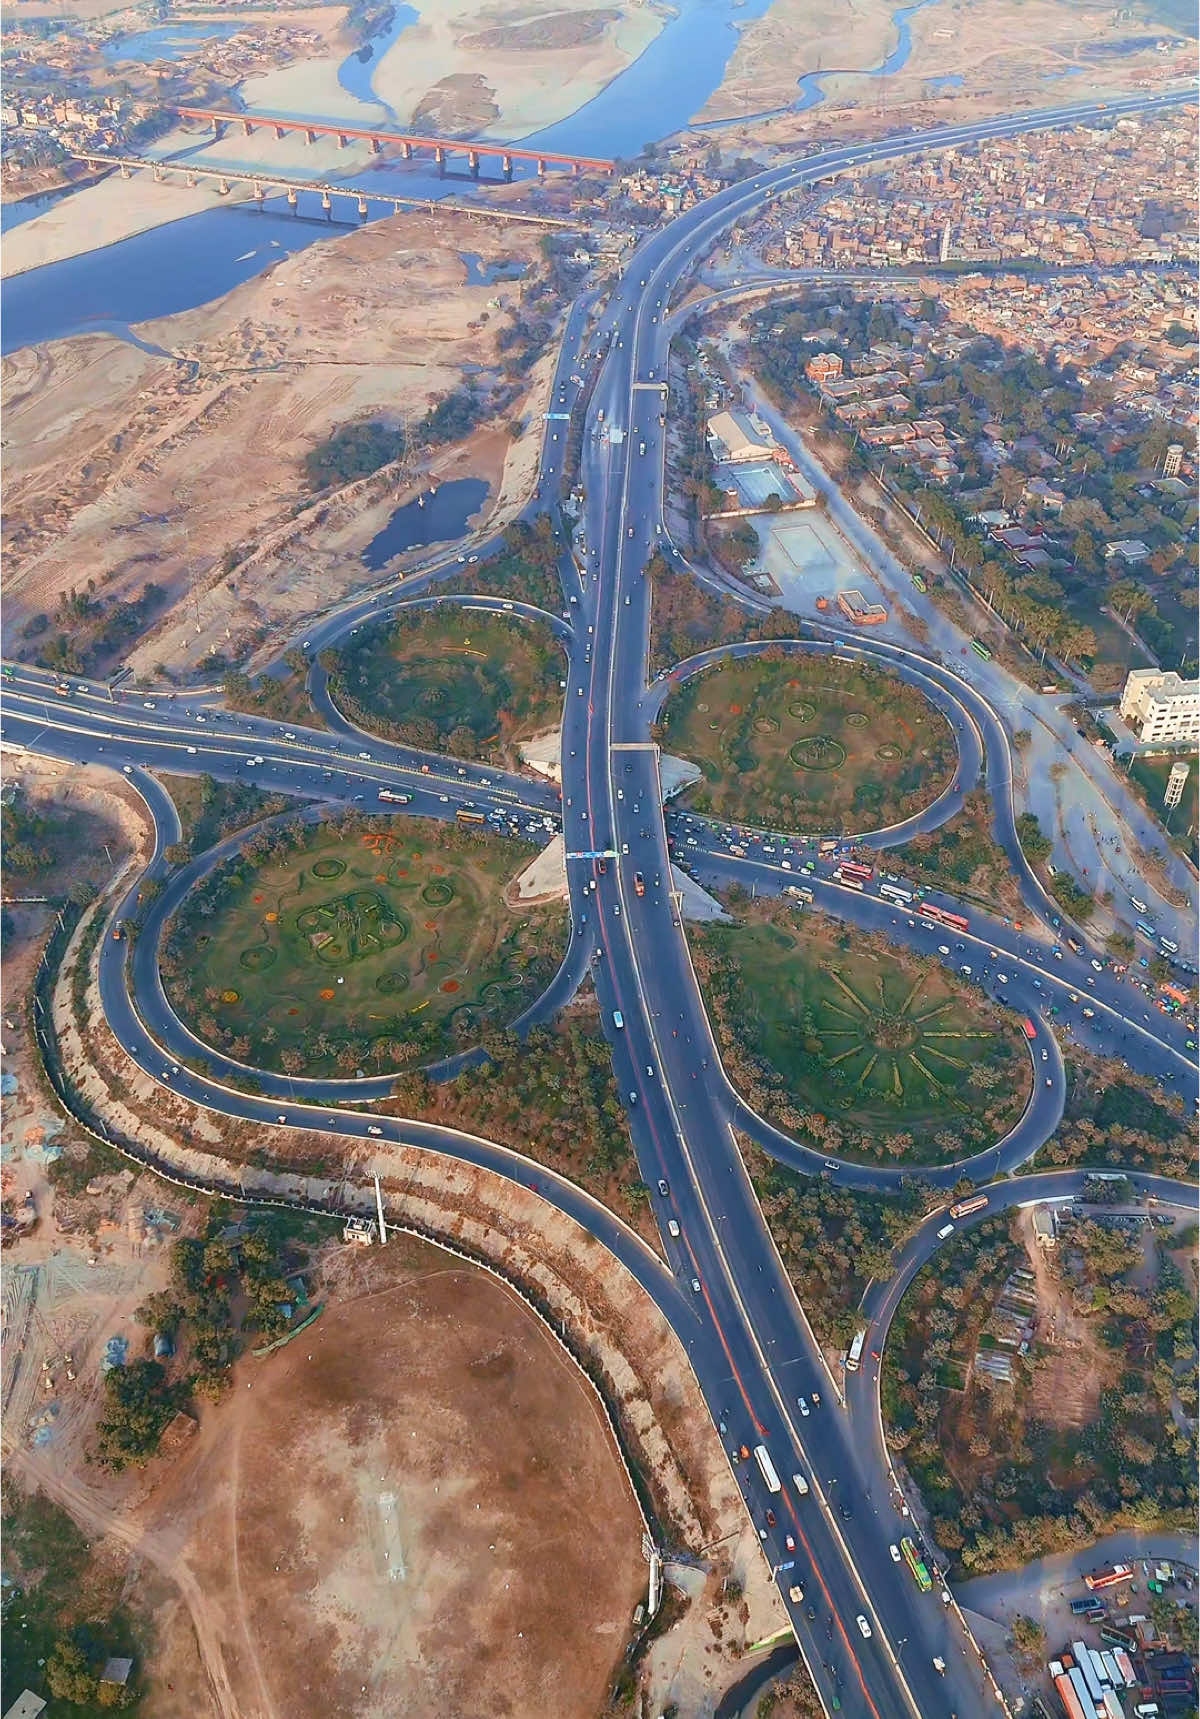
1161	707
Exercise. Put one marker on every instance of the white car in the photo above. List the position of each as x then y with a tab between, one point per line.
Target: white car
799	1482
864	1628
802	1406
895	1552
946	1230
673	1228
373	1130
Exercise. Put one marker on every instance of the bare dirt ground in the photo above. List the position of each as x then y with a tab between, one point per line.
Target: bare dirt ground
1011	54
1069	1379
139	468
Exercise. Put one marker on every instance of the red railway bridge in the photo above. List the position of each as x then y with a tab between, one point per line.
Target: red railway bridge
409	142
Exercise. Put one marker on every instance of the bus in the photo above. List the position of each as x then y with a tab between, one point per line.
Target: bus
964	1208
939	916
918	582
854	1353
981	650
840	876
397	799
896	892
1169	944
1110	1578
920	1573
465	817
852	868
827	847
1147	930
767	1467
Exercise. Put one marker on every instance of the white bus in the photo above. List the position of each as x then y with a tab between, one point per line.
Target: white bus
767	1466
397	799
854	1354
894	892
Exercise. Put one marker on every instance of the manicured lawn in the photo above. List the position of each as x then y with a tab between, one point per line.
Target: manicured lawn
383	946
1152	773
453	680
904	1059
809	746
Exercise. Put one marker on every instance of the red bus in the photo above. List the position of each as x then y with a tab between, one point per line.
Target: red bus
939	916
851	868
850	882
1109	1578
1030	1029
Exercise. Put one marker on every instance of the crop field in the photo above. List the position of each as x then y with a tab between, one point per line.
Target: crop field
453	680
809	746
328	951
886	1044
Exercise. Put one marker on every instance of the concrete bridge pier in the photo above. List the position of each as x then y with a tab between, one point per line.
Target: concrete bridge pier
214	125
223	187
260	196
126	173
293	200
473	162
190	181
279	133
362	208
507	167
407	150
310	135
541	167
248	128
376	146
439	155
327	205
343	140
159	175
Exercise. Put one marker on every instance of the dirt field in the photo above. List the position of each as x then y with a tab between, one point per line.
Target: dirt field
415	1495
143	468
1070	1377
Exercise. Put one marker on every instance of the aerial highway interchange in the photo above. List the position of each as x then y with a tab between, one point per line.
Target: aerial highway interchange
872	1643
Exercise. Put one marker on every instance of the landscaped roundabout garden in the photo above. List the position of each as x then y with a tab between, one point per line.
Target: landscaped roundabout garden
370	943
455	680
864	1050
809	744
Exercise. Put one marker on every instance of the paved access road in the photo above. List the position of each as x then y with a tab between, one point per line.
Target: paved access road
755	1357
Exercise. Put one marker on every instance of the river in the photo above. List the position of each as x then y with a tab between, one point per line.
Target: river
202	257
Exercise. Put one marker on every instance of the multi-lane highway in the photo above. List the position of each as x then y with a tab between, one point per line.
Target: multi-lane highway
868	1638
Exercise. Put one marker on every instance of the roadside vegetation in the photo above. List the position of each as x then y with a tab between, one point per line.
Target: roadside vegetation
452	680
808	744
686	617
210	810
551	1096
524	571
86	633
356	450
37	842
870	1052
833	1240
963	858
369	943
1041	1399
1118	1118
284	698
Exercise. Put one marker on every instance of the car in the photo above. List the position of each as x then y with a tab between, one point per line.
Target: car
1003	978
618	1019
802	1406
650	1070
673	1228
191	751
663	1189
943	949
895	1552
128	769
811	1614
801	1485
281	1118
965	969
695	1286
1049	1082
374	1130
1097	966
770	1519
946	1230
795	1594
844	1510
945	1596
864	1628
1045	1056
789	1542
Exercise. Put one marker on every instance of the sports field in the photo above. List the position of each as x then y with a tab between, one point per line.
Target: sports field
809	745
907	1060
453	680
383	946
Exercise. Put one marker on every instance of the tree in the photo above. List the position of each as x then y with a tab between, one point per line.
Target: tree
67	1675
1028	1640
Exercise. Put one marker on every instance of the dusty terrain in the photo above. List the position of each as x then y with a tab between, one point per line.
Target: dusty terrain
136	467
1017	52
